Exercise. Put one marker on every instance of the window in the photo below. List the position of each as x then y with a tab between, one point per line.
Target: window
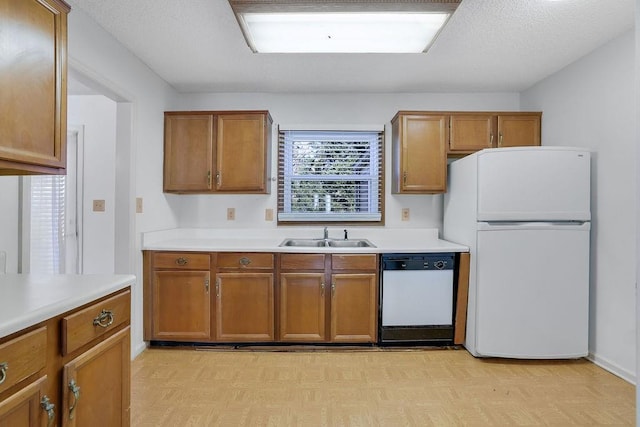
330	176
47	224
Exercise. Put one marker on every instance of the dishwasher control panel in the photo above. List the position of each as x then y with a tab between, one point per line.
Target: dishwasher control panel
417	262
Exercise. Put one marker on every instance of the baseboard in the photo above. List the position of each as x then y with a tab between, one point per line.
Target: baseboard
137	350
615	369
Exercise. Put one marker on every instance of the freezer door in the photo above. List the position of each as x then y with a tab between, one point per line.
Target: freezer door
532	289
534	184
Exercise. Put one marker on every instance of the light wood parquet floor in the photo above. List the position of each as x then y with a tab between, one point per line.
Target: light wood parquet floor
433	387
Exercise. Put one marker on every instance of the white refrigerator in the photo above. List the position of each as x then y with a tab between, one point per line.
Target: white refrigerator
525	215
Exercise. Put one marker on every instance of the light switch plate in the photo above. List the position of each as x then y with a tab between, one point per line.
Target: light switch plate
98	205
405	214
268	214
138	204
231	214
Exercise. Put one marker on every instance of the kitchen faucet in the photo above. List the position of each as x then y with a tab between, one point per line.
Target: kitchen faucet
326	233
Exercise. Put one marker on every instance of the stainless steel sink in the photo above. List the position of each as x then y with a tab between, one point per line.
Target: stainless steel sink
355	243
334	243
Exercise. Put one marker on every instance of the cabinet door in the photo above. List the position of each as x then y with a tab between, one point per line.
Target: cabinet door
353	307
181	306
421	163
242	152
518	130
96	384
468	133
302	307
25	408
33	91
188	152
244	307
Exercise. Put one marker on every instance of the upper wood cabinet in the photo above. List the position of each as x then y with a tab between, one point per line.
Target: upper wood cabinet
422	141
419	153
217	152
33	87
516	130
470	131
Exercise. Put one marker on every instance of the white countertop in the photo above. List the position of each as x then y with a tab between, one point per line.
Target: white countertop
268	240
27	299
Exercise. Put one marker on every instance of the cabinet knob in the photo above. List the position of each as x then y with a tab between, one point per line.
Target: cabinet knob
500	139
181	261
491	140
4	367
75	390
104	319
244	261
321	289
49	408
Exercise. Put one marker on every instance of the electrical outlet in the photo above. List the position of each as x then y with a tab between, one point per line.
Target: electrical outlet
98	205
268	214
138	204
405	214
231	214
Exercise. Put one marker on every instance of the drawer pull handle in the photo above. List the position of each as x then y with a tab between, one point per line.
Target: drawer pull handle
49	408
104	319
181	261
244	261
4	367
75	390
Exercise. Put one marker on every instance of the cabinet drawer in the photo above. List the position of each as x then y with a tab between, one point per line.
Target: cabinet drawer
254	260
302	261
354	262
181	260
94	321
22	357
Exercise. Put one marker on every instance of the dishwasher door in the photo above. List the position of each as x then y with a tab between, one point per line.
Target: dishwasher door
417	297
417	294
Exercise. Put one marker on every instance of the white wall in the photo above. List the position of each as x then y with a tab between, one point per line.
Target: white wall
637	121
97	114
325	109
103	63
9	217
591	103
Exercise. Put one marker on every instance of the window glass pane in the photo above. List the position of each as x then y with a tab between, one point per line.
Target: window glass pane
327	175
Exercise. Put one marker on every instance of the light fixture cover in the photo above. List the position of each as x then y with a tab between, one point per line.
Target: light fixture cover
347	26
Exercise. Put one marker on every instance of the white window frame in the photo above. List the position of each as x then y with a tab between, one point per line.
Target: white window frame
375	179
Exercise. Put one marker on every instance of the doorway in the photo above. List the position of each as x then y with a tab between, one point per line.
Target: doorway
51	207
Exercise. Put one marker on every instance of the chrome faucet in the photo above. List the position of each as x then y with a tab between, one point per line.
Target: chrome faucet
326	233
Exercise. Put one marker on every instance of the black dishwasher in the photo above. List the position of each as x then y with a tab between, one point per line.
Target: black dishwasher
417	294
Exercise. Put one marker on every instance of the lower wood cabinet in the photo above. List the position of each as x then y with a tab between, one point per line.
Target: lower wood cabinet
182	305
240	297
28	407
244	307
302	306
70	370
353	307
336	294
92	392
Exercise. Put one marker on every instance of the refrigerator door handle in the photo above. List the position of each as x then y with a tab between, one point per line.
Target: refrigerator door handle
534	225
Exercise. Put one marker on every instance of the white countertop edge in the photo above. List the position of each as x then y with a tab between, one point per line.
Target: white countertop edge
55	295
232	240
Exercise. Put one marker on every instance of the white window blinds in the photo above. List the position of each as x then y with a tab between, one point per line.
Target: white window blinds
330	176
47	224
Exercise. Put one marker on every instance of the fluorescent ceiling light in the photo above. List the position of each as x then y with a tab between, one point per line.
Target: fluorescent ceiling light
342	32
341	26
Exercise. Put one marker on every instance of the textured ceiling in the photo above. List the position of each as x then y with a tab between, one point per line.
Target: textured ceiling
488	45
